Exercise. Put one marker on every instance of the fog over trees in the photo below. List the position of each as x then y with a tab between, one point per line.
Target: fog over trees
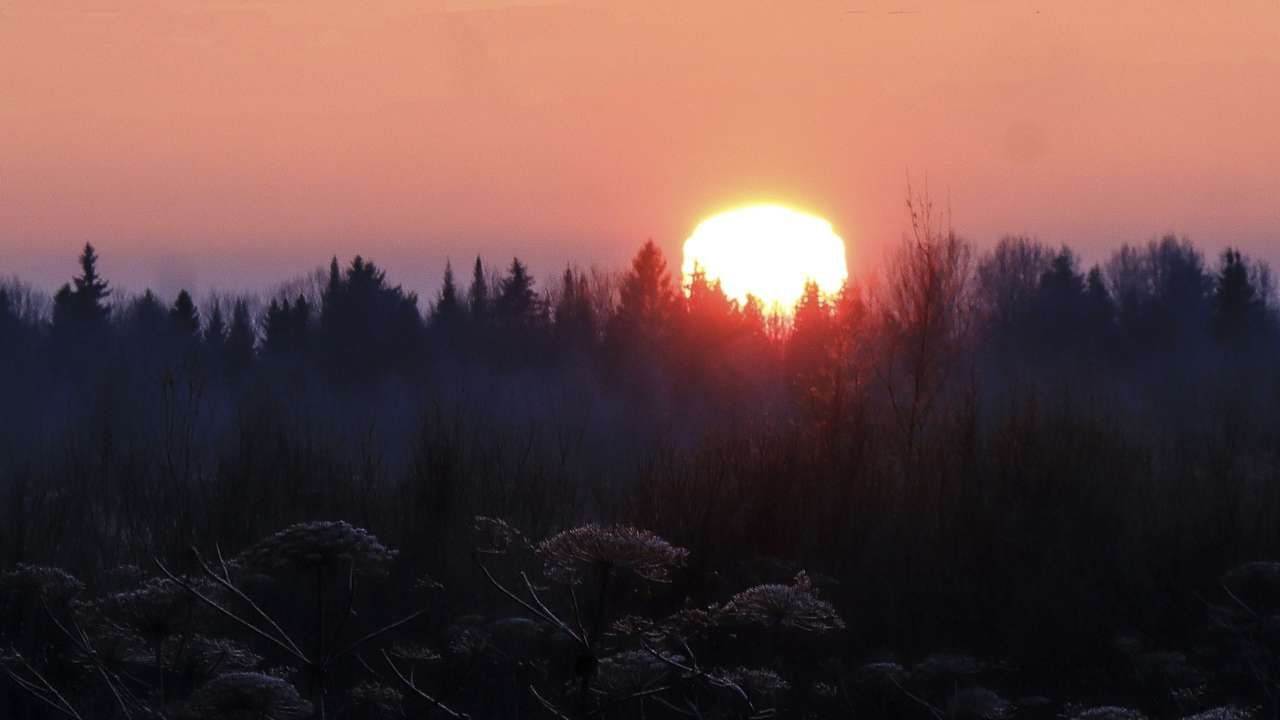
972	484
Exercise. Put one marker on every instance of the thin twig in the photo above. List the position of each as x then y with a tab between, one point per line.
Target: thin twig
412	687
551	708
385	629
286	647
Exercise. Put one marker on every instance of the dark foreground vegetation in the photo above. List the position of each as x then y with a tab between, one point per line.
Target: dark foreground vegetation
967	487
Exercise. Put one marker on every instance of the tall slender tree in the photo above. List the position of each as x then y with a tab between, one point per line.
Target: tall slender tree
517	303
478	293
184	319
646	301
1239	310
240	339
574	317
81	305
447	311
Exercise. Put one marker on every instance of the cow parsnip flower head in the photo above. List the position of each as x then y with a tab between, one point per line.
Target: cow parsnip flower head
319	545
792	606
1256	582
1109	712
158	608
570	555
212	656
495	536
249	696
375	700
631	671
756	682
49	582
673	630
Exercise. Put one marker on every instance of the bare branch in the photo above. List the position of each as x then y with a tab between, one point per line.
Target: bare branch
286	647
384	629
413	688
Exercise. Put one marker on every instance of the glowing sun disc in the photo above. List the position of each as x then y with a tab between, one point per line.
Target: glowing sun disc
769	251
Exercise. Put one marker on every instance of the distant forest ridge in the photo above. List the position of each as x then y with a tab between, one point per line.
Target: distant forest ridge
1161	289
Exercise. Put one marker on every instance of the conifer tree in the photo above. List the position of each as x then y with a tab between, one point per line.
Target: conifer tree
215	331
146	316
184	319
478	293
240	338
516	304
573	316
1238	308
646	302
448	306
80	306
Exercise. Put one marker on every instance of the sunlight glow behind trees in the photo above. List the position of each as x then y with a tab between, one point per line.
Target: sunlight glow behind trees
768	251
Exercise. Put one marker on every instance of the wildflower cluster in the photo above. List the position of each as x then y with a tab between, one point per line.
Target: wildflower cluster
495	536
569	555
320	545
775	605
248	696
51	583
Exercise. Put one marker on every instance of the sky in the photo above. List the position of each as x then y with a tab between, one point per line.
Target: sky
236	143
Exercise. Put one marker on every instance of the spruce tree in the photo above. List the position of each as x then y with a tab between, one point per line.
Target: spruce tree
478	293
240	339
80	306
215	334
1237	307
184	319
646	300
448	306
516	304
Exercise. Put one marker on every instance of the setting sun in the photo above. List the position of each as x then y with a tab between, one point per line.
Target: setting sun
768	251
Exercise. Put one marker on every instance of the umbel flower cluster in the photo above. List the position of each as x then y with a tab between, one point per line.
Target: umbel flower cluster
248	696
320	545
569	555
775	605
50	583
155	610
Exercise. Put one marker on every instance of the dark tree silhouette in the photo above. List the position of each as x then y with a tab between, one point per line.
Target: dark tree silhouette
478	294
240	339
1007	279
287	327
927	317
1162	292
80	306
366	324
646	302
810	347
184	319
516	304
1101	306
706	329
145	317
1058	320
1239	306
447	312
215	331
10	325
574	317
707	309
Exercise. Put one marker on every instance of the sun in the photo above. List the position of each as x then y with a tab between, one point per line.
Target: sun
768	251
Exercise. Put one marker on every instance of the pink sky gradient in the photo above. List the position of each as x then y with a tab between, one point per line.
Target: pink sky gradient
234	143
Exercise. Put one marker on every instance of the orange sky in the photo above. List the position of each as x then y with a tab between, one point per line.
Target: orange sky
236	142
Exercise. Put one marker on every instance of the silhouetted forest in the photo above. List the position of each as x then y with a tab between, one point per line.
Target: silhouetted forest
969	485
